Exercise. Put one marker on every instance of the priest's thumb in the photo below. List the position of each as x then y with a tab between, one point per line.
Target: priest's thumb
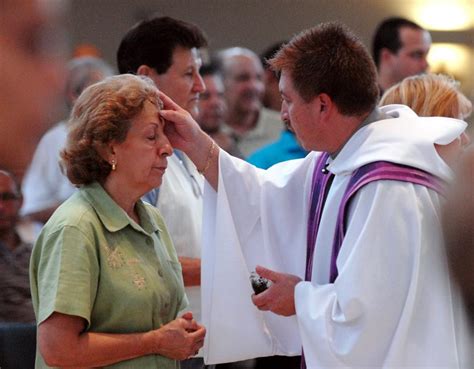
267	273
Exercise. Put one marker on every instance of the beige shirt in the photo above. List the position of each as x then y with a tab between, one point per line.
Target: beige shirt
267	129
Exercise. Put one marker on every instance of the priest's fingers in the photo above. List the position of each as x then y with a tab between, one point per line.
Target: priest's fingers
261	302
267	273
168	104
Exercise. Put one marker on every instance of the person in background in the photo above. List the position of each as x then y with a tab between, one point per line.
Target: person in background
399	48
105	279
434	95
349	236
167	50
32	65
287	146
271	96
247	121
32	73
44	186
458	215
212	109
15	296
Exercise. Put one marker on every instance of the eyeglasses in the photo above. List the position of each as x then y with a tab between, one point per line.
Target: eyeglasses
8	196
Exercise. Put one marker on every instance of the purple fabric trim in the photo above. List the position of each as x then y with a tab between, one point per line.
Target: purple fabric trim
319	190
318	196
374	172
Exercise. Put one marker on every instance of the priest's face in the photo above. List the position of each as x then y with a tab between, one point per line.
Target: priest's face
301	116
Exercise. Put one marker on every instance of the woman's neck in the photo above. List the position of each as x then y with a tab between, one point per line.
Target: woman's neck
123	197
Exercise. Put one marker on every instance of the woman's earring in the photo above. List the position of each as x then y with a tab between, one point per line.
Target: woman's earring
114	165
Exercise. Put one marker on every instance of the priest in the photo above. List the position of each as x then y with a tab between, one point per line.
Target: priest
349	237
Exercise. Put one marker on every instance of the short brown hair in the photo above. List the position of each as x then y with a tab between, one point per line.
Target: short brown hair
430	95
102	114
152	42
330	59
387	36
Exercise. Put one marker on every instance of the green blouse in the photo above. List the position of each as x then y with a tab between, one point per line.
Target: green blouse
92	260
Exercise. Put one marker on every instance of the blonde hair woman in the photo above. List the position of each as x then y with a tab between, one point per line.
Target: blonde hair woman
430	95
433	95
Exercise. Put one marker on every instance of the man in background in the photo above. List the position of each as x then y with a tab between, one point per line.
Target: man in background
286	147
15	296
45	187
248	122
271	96
399	48
213	107
167	51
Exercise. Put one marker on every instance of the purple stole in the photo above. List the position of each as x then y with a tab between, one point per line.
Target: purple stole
322	180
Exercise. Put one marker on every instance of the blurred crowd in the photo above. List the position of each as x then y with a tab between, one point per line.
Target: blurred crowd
104	217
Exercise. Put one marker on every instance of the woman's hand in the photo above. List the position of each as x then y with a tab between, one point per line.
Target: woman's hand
63	342
180	339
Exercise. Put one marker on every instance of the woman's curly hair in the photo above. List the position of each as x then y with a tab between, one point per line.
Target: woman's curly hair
103	114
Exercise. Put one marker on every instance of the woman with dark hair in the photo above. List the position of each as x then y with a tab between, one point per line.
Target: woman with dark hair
106	281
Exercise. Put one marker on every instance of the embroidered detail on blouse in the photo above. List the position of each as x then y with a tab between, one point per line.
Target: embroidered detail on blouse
133	261
114	258
139	281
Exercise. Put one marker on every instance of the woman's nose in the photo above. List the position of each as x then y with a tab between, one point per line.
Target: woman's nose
165	149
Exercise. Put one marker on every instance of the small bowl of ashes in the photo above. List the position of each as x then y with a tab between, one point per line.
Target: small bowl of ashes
259	284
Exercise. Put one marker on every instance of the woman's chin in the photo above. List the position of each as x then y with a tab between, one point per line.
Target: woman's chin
158	182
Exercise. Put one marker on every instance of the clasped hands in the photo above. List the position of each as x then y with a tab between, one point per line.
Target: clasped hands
279	298
181	338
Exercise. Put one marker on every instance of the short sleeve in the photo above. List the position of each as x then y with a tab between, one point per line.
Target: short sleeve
67	274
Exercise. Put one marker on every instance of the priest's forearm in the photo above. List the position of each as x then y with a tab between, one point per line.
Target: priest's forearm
205	155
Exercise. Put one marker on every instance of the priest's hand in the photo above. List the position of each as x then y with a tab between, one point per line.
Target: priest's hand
279	298
181	129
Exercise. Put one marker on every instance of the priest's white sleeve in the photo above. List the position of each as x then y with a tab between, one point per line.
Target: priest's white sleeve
256	217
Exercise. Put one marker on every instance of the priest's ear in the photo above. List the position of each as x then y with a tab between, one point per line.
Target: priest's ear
325	103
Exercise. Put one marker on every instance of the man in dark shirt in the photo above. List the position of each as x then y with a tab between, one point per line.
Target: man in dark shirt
15	297
399	48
